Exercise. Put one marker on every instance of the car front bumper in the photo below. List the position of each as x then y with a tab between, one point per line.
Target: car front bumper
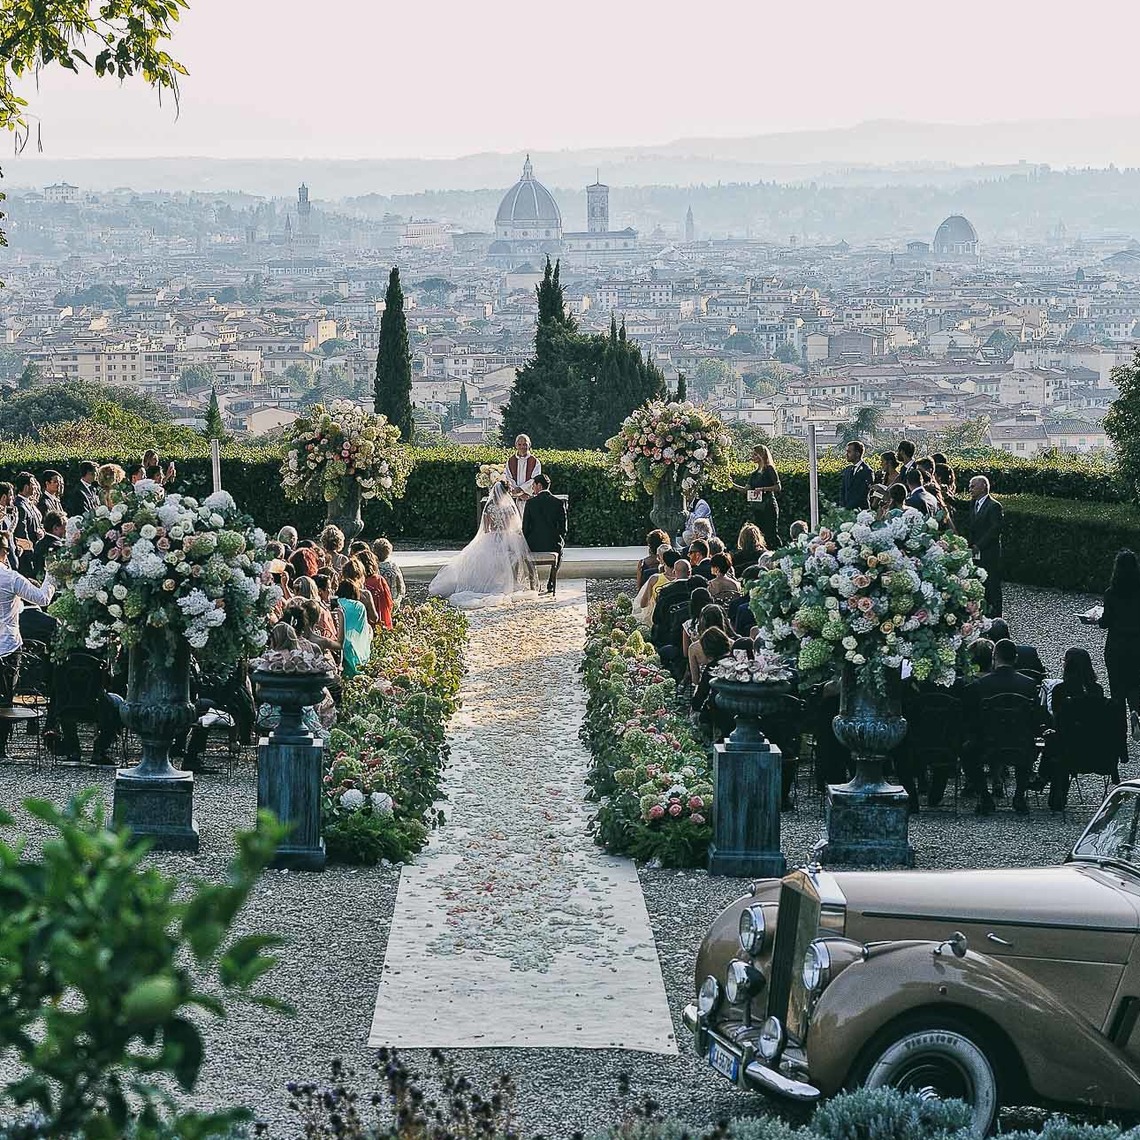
753	1074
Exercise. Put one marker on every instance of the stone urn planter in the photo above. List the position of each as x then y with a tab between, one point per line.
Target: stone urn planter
868	818
668	510
290	767
154	799
344	510
747	770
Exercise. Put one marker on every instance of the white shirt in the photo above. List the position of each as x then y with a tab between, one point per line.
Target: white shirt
15	589
526	486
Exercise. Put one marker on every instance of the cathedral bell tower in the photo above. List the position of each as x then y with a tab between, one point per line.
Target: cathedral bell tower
598	208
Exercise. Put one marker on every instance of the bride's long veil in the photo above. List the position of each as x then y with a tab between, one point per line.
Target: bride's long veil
496	564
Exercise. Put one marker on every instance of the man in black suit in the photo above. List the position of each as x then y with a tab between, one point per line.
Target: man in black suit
1002	679
51	498
985	539
55	527
855	482
1028	659
29	521
544	524
672	609
82	497
699	558
905	452
919	498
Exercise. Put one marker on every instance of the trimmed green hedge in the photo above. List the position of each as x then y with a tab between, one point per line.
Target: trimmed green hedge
1065	517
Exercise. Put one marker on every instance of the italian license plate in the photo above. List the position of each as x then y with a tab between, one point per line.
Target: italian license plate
723	1061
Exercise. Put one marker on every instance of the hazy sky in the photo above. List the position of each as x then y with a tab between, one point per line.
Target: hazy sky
366	79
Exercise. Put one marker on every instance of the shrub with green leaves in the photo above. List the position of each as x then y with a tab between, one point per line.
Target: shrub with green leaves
887	1114
104	961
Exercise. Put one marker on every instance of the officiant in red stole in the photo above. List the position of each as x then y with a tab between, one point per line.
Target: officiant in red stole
522	467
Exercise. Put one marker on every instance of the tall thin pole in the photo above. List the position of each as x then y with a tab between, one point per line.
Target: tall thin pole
216	463
813	478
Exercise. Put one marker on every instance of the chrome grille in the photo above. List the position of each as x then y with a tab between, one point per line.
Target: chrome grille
796	927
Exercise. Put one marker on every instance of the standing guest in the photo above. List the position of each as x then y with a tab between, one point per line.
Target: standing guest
919	498
15	590
107	477
332	543
896	496
288	536
889	471
8	522
51	497
944	473
856	479
377	585
879	500
389	571
357	631
762	487
724	586
1121	617
905	452
651	564
751	548
138	474
55	527
985	540
84	496
697	512
29	521
521	469
151	462
796	529
354	572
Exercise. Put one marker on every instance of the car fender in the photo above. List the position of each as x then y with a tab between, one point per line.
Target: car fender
722	942
1063	1057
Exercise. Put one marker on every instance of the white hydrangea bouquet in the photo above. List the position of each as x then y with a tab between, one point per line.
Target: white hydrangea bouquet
751	668
873	595
670	441
329	447
488	474
148	565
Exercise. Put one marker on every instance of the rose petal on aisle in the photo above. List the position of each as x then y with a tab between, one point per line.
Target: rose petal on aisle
513	929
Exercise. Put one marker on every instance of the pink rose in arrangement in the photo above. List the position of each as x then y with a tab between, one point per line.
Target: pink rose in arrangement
128	527
674	810
656	811
696	802
697	818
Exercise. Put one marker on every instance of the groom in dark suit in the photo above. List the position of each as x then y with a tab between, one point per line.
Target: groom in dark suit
544	524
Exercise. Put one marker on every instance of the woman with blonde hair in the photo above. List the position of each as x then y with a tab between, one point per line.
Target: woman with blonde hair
107	477
389	571
751	549
762	487
332	543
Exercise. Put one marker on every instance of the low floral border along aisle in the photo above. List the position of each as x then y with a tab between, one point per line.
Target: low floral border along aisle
512	908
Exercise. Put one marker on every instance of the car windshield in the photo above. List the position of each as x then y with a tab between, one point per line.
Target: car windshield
1112	834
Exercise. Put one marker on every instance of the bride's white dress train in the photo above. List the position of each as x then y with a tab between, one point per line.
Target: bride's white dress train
495	568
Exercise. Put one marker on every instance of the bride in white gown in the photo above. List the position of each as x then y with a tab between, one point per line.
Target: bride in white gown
495	567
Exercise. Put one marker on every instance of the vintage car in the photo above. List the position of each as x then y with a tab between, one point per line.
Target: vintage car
1014	986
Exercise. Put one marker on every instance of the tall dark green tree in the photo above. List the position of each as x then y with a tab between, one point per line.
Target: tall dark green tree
464	404
215	428
682	388
1122	424
393	389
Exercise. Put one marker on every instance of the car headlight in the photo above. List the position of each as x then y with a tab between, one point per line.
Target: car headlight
771	1039
709	996
817	964
742	982
752	930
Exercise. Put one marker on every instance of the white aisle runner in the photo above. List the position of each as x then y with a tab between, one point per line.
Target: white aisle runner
513	929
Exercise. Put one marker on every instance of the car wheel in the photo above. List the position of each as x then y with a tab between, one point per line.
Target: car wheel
940	1060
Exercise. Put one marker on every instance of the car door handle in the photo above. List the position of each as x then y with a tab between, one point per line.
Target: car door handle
992	937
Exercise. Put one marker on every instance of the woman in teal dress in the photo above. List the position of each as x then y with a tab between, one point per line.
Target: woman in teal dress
357	631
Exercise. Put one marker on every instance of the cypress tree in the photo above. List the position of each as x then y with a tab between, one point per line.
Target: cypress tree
464	404
215	428
393	388
682	388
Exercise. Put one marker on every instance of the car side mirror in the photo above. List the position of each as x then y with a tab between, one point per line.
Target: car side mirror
958	944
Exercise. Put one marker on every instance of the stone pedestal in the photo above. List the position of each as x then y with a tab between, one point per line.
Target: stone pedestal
747	786
289	770
668	510
344	511
159	810
868	818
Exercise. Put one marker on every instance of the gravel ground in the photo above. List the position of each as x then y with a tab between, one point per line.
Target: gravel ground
337	927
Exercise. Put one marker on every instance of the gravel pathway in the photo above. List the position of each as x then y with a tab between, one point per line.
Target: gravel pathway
337	928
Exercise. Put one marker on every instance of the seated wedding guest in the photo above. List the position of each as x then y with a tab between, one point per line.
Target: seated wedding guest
357	631
376	585
55	527
301	614
354	572
697	511
317	719
107	477
672	608
716	545
389	571
888	472
739	610
328	628
690	629
304	562
879	500
699	557
1028	659
651	563
15	590
219	701
712	617
332	543
646	600
981	654
750	547
83	496
288	536
796	529
714	645
724	586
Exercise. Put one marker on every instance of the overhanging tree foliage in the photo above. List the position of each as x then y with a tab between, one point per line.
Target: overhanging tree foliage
393	388
1122	424
576	389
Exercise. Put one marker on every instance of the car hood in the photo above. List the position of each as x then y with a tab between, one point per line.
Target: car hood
1081	896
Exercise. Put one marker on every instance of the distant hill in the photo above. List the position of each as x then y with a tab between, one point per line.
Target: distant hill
869	153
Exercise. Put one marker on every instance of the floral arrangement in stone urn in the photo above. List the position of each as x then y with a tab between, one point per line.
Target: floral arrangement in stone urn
341	455
669	450
165	576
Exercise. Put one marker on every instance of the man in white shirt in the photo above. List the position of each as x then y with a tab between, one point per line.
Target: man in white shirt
522	467
15	590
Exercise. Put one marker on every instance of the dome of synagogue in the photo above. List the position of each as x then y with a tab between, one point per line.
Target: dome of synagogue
528	204
955	237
